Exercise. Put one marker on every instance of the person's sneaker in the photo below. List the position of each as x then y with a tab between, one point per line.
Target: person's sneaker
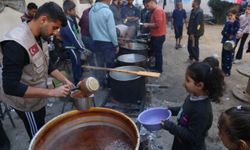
189	61
227	74
237	61
176	46
248	50
180	46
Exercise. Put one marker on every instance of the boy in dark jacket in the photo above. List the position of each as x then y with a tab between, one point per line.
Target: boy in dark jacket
229	34
71	40
195	30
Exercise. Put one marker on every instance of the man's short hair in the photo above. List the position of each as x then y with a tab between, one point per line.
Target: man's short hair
197	2
53	11
68	5
31	6
147	1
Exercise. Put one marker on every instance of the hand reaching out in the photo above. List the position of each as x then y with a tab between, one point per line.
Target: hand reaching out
61	91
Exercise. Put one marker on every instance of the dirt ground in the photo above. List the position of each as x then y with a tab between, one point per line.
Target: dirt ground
173	76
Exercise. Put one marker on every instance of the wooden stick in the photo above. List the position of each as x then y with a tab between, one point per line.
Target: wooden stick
139	73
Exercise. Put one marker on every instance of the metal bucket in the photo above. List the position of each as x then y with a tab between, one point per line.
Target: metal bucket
96	128
127	88
82	103
132	60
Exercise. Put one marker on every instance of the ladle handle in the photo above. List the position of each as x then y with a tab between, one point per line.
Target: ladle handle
140	73
75	88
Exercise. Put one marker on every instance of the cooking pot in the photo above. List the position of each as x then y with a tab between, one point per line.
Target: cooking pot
96	128
134	47
132	60
143	38
127	88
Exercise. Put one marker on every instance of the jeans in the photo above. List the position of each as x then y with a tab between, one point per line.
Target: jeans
88	43
193	48
74	56
156	44
226	61
105	56
242	42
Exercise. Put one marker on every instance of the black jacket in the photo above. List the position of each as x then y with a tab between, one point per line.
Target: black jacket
196	23
194	120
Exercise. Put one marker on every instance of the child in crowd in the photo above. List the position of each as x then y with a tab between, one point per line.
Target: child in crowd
212	61
30	12
242	34
234	128
229	34
179	16
204	84
71	40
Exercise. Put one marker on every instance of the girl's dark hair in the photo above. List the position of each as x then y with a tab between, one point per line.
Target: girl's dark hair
211	77
212	61
68	5
235	122
53	11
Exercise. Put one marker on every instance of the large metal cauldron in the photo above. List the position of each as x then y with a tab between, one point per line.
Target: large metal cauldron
93	129
127	88
134	47
132	60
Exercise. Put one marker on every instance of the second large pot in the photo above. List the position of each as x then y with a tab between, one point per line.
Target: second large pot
132	60
134	47
127	88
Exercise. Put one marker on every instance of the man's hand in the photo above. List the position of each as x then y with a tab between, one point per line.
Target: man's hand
69	83
85	54
62	91
146	25
192	39
239	35
117	50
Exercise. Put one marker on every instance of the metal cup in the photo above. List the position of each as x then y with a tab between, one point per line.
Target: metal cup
84	103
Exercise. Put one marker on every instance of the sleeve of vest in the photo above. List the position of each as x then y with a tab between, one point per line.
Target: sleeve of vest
15	58
52	67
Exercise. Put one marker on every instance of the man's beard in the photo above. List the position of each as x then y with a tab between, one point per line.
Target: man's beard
44	33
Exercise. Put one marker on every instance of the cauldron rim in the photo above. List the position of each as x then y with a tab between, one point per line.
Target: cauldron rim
145	46
50	125
128	77
141	58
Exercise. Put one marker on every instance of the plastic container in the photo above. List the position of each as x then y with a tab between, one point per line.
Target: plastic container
151	118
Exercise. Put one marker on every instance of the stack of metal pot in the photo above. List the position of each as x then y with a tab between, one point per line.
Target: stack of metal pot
128	88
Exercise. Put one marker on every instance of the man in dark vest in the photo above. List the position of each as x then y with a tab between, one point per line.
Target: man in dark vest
195	30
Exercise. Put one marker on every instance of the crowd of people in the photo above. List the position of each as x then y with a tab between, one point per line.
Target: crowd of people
25	63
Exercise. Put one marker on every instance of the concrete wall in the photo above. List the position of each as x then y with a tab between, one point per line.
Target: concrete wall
11	18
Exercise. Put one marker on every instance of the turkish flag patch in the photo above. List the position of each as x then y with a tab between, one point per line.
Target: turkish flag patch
33	49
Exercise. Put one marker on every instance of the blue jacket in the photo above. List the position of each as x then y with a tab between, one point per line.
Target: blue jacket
230	30
102	24
71	35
